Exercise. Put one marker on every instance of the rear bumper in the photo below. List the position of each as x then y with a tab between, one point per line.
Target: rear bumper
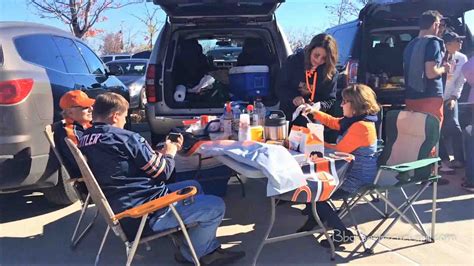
22	171
160	125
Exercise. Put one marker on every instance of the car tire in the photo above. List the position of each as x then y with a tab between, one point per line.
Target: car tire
63	193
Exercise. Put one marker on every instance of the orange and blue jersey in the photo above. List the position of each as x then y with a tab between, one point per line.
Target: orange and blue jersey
127	169
73	131
358	138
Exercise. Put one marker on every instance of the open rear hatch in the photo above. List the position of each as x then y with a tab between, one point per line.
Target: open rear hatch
407	9
211	10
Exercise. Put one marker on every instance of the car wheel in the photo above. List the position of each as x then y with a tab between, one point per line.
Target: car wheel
143	100
63	193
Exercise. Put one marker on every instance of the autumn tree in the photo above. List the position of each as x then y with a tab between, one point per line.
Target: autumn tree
151	22
112	43
79	15
344	10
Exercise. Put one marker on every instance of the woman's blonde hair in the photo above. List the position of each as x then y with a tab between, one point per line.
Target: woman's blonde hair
362	98
328	43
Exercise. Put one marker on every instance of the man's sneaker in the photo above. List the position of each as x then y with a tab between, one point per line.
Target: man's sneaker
339	238
456	164
468	187
217	257
221	256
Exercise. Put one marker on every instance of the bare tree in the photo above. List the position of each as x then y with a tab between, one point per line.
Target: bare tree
112	43
152	24
79	15
345	10
299	38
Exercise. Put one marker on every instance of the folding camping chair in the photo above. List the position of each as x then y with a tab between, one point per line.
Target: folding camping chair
405	161
142	211
49	133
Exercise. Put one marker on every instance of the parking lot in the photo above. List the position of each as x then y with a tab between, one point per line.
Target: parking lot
33	232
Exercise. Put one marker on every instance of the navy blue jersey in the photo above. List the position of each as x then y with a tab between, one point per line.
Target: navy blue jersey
127	169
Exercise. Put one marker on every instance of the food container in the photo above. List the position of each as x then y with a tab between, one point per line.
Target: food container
276	126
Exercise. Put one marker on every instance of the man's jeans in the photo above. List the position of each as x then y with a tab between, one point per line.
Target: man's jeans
451	132
469	146
206	210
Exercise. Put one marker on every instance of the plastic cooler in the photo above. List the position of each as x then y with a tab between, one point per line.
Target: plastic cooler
249	81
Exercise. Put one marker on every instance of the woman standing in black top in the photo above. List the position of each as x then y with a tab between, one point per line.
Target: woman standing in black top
309	76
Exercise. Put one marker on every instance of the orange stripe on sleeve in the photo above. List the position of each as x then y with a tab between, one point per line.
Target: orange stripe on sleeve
359	134
327	120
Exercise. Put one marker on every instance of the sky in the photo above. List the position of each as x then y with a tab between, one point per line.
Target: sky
295	16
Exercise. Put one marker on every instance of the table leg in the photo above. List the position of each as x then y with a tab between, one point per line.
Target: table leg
267	233
325	231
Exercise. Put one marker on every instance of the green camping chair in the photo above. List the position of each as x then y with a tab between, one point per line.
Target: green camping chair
406	160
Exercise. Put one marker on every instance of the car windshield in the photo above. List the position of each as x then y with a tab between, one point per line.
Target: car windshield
128	68
225	53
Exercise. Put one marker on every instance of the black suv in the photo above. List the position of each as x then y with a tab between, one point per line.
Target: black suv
179	56
371	47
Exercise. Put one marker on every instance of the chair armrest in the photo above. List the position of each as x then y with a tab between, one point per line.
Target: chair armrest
74	180
157	204
405	167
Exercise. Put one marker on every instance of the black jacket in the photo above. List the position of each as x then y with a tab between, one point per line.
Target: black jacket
291	82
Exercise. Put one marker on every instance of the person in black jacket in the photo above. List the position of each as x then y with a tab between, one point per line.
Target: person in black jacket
309	76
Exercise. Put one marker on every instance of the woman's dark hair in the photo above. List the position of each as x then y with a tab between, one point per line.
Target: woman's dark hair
328	43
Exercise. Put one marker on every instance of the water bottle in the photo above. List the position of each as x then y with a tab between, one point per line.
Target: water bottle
251	115
260	112
244	127
227	121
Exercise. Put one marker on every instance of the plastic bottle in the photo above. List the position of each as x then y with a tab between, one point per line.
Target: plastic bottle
244	127
252	115
260	111
236	116
227	121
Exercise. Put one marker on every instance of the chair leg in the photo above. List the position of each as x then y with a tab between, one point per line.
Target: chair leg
75	241
242	185
351	215
415	215
186	235
433	210
267	233
136	241
97	257
401	213
325	231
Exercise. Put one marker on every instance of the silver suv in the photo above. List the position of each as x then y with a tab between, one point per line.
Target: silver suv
38	64
182	55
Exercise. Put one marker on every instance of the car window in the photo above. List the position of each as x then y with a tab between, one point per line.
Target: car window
71	55
129	69
118	57
95	65
345	39
106	59
40	49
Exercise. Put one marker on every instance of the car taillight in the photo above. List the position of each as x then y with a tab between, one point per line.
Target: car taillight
352	68
150	88
15	91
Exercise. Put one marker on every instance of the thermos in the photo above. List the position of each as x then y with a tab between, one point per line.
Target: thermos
276	126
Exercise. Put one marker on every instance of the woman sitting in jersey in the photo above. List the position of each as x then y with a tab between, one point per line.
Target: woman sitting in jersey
357	136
